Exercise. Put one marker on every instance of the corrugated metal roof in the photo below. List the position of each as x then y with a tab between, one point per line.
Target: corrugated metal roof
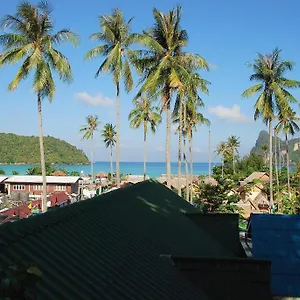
2	178
223	227
109	247
277	238
38	179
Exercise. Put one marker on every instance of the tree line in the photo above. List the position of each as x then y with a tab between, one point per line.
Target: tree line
167	72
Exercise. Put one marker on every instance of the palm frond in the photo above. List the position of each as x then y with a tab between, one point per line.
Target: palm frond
65	36
252	90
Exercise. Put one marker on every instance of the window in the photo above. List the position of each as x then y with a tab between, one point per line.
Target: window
19	187
38	187
60	188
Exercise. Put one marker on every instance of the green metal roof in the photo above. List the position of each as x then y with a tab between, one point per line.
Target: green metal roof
109	247
223	227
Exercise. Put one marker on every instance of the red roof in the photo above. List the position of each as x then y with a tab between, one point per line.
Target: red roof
23	211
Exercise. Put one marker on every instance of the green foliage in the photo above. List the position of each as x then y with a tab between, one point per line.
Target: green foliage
18	281
88	129
244	167
34	45
36	170
144	114
74	173
109	135
2	172
25	149
15	172
218	198
273	95
249	164
115	40
290	204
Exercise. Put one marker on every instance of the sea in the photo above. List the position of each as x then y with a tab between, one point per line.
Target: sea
154	169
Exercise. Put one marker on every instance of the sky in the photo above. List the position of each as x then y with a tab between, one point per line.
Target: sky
228	34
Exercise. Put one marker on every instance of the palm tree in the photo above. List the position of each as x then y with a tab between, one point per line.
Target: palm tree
144	114
109	138
274	96
88	130
115	38
222	149
163	65
233	144
32	41
288	125
264	148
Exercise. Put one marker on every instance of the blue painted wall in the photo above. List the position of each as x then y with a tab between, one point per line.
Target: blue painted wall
277	238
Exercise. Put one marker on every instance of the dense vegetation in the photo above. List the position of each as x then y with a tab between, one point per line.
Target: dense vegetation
25	149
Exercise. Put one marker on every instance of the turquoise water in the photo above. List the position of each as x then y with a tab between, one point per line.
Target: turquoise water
154	169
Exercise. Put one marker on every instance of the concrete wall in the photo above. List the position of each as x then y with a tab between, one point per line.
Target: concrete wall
51	188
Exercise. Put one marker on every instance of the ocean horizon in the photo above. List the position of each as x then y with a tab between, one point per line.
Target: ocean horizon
154	169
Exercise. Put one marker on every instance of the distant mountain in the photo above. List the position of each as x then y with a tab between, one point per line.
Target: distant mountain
293	144
25	149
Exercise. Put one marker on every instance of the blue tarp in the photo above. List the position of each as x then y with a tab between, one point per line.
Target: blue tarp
277	238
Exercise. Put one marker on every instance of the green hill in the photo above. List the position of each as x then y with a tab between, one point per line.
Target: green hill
293	144
25	149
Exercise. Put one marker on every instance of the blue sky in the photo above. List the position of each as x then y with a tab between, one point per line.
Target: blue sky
227	33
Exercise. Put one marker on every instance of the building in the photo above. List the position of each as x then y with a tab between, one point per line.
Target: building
2	183
34	184
253	196
138	242
26	210
277	238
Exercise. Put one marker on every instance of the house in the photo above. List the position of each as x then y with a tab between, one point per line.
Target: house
277	238
33	184
253	196
139	242
57	199
2	183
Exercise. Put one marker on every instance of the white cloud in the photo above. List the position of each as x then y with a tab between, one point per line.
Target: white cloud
230	114
98	100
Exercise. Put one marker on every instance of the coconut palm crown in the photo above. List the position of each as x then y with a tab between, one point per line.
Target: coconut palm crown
273	95
163	65
115	40
29	39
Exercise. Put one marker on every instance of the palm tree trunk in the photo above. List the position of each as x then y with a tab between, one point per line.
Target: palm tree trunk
42	153
168	144
145	149
191	162
271	165
276	160
179	148
92	158
118	135
279	155
184	152
288	164
233	171
111	164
